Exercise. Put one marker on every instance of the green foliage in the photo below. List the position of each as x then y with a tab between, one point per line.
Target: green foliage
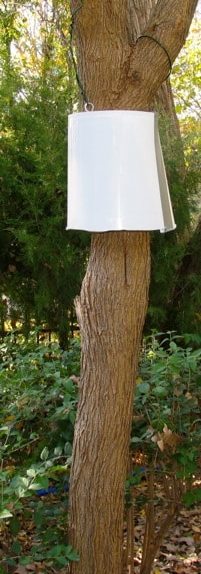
192	497
186	298
185	81
167	408
181	148
179	276
168	250
63	554
41	264
35	387
38	401
165	442
187	74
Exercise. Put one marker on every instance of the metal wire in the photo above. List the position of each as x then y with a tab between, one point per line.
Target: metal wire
79	82
161	46
88	105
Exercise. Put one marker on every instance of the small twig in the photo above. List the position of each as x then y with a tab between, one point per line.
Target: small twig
23	445
150	524
2	462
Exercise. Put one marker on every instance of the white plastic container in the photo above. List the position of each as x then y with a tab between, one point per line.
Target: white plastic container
116	173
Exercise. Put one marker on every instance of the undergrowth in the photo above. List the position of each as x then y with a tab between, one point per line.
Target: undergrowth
38	401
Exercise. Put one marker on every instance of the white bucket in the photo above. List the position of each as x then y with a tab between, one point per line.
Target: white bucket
116	173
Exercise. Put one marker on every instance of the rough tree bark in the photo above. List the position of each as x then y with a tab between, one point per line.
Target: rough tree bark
118	73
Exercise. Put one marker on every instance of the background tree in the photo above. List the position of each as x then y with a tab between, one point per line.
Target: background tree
114	295
181	145
41	266
183	304
40	276
185	307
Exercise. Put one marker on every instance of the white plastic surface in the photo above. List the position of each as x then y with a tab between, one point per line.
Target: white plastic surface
116	174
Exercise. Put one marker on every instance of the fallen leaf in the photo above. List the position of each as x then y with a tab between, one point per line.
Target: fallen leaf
20	570
187	539
170	547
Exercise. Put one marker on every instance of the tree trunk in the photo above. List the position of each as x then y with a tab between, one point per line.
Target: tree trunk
117	73
117	276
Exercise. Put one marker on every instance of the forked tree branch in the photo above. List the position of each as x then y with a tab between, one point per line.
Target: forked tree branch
167	29
141	67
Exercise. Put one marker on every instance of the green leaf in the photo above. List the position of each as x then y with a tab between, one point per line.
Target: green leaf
5	514
24	560
41	482
160	391
58	468
15	526
68	448
58	451
10	562
73	555
45	453
61	560
192	497
72	417
143	388
69	386
16	547
31	472
20	481
136	440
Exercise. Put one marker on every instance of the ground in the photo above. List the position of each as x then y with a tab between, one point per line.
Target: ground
179	554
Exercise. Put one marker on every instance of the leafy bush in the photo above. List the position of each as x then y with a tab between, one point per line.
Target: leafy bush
167	405
38	400
38	397
166	437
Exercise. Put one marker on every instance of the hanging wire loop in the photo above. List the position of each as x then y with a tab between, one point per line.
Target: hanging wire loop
161	46
88	106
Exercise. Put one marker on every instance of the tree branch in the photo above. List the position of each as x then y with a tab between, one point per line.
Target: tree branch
149	63
170	24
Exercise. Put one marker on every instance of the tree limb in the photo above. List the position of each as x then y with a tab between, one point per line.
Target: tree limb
149	64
